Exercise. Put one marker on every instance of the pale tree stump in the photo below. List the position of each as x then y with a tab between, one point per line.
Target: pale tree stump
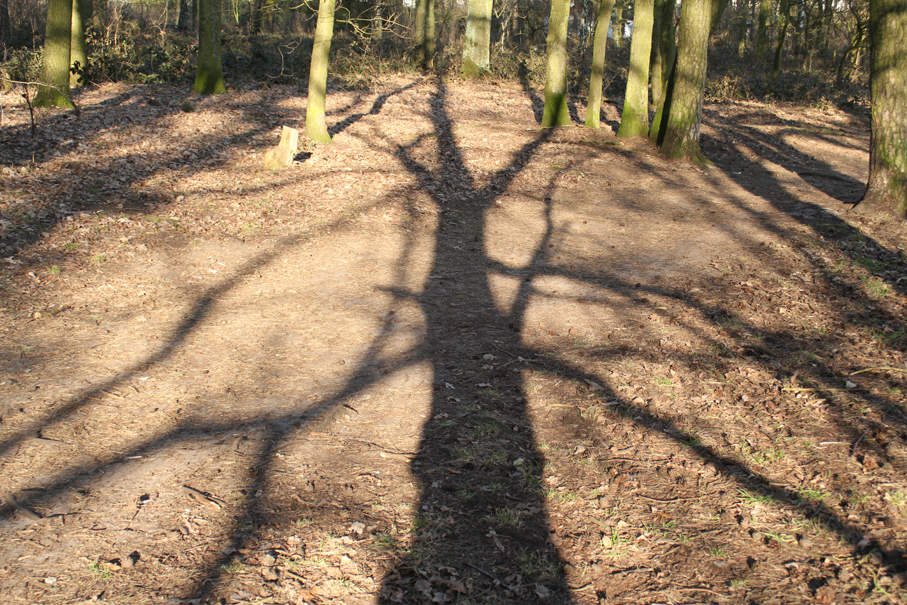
282	155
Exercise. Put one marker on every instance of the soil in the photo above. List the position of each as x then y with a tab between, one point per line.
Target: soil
449	358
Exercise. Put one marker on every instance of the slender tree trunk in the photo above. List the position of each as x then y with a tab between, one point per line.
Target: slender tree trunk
476	46
783	21
184	16
664	47
209	78
55	69
685	116
620	21
634	120
315	125
765	9
556	112
4	28
887	189
425	33
599	49
255	24
78	52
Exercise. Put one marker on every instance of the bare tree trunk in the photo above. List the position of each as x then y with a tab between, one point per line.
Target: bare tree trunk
425	33
78	52
664	46
476	46
599	49
556	112
634	120
684	119
315	125
887	189
209	78
55	69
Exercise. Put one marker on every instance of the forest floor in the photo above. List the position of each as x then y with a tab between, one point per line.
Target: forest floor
450	358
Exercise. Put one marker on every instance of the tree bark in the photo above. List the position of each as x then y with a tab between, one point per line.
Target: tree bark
425	33
681	138
556	112
599	49
4	28
78	51
54	90
887	188
209	78
184	17
664	46
783	22
634	120
476	46
765	9
315	125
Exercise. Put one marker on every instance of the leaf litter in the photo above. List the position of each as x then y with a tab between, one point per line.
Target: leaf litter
449	358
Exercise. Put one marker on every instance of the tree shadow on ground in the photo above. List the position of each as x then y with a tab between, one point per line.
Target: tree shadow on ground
482	529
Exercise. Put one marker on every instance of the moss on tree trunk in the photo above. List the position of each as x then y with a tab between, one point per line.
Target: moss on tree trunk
599	49
54	90
681	137
556	113
315	125
887	189
209	78
634	120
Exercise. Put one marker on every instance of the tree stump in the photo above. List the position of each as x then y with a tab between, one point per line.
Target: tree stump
282	155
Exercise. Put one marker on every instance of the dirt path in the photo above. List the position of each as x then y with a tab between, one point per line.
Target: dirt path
449	358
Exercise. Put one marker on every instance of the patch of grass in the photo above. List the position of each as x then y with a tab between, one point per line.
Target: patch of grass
876	287
98	259
54	270
614	543
898	498
102	573
508	517
753	499
71	246
231	567
536	565
385	541
716	551
566	495
663	382
780	538
812	495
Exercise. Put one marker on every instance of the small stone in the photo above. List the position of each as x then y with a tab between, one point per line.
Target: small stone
268	558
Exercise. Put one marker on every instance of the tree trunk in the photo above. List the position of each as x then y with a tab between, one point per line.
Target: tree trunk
620	21
599	48
476	46
664	47
54	90
765	9
634	120
681	139
255	20
209	78
184	16
4	28
315	125
78	52
556	112
887	189
425	33
783	21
